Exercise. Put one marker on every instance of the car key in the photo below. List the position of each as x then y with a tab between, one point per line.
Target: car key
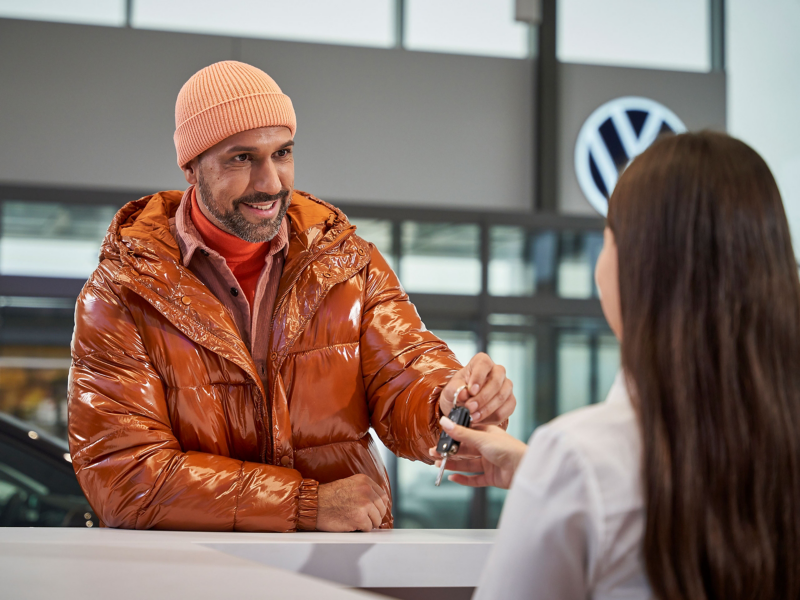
447	446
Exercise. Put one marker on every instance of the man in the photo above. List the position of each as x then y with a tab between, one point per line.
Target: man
238	340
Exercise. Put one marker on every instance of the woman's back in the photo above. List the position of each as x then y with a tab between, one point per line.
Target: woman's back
573	522
710	306
699	281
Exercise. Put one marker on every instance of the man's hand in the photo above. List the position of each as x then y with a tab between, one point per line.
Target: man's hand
356	503
489	396
499	455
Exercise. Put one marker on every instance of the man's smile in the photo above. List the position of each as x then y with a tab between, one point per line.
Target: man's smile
262	210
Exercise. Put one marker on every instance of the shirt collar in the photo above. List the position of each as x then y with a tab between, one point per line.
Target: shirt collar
619	390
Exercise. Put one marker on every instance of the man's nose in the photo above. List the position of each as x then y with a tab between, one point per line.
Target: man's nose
266	178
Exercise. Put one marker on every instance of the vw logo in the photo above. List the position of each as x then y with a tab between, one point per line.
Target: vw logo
612	136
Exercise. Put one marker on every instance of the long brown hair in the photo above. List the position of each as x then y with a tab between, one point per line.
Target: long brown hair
710	302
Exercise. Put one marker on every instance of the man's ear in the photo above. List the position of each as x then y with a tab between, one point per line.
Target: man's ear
190	170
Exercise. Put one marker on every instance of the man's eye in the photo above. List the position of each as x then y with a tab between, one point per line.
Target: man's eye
283	152
241	157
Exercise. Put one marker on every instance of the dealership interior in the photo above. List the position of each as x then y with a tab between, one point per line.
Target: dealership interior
474	144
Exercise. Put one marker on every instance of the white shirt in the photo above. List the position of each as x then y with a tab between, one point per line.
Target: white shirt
573	522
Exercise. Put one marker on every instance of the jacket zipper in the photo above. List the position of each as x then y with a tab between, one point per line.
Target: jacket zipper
270	438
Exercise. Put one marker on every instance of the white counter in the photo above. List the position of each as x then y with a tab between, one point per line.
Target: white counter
88	563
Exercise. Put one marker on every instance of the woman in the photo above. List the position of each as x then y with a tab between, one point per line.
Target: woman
685	482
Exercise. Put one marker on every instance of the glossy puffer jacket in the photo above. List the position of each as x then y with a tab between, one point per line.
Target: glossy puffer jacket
170	426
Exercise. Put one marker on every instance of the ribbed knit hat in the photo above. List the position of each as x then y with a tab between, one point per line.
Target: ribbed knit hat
223	99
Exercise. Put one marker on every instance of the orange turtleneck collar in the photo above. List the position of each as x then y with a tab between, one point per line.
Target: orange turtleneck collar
245	259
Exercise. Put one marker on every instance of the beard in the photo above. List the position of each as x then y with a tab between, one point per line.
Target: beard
235	222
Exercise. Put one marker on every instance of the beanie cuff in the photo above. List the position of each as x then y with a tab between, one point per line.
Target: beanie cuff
206	129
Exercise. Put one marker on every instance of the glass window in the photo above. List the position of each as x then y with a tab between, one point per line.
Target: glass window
464	344
379	232
35	492
485	27
574	362
420	503
89	12
496	498
630	33
440	258
34	388
576	261
511	270
33	378
505	319
521	261
762	56
517	353
48	239
608	363
587	362
36	327
352	22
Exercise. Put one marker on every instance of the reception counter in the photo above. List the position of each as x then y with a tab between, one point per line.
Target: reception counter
83	564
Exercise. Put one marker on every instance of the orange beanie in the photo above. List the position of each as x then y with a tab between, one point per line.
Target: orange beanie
225	98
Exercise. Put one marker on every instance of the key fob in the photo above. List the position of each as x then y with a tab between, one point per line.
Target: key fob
447	445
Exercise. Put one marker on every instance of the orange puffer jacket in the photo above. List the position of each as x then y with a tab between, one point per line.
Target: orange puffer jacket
169	424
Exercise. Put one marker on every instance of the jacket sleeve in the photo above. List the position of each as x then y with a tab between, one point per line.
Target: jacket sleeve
127	459
404	366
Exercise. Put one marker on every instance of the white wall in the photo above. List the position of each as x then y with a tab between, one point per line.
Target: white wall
85	106
764	90
651	34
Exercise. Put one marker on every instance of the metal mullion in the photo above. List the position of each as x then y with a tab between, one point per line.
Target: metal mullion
393	467
717	37
547	112
594	368
533	221
546	305
537	306
545	394
484	299
118	197
514	329
397	245
45	287
399	23
479	505
69	195
402	213
2	210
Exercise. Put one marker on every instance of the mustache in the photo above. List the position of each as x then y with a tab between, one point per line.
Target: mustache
261	198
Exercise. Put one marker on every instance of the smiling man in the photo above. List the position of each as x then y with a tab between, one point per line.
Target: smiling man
238	340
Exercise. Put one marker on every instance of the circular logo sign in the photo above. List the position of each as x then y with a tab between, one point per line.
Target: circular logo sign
612	136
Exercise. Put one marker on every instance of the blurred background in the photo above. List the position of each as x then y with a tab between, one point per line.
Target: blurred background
469	140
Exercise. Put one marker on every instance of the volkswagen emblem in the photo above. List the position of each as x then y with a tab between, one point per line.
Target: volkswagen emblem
611	137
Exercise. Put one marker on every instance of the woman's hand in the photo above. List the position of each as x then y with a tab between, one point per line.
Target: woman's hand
498	455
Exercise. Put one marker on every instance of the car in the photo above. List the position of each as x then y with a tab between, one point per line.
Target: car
38	487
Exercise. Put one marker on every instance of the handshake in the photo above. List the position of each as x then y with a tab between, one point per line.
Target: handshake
357	503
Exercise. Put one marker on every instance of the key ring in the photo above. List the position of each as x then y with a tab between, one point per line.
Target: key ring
458	392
